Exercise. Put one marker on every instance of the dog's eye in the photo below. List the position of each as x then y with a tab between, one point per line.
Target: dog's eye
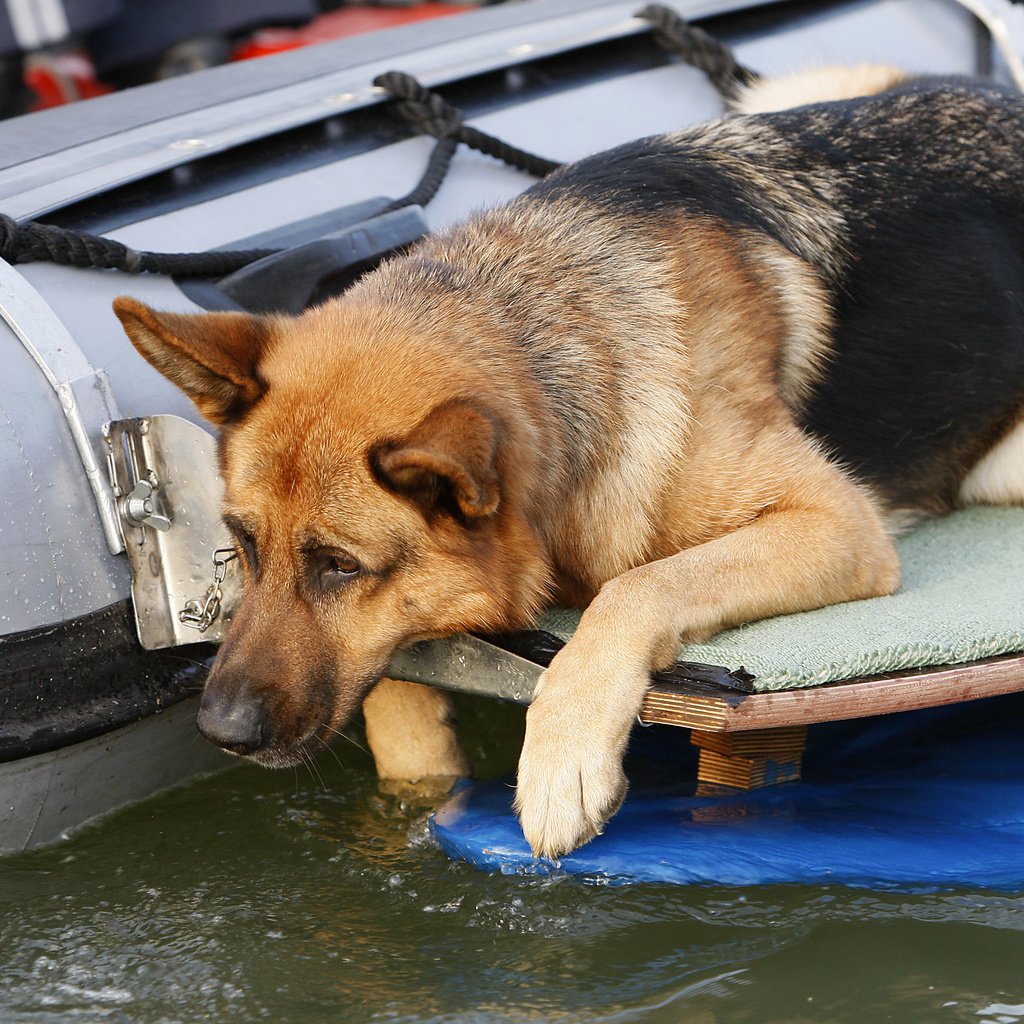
248	548
342	565
330	570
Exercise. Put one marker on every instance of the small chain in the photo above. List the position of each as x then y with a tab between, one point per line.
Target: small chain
201	613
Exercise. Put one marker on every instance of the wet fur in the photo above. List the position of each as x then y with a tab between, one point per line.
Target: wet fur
693	381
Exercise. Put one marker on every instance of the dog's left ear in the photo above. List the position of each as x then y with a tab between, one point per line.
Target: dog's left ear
212	357
450	454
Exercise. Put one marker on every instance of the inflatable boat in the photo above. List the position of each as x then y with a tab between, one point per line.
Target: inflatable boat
117	575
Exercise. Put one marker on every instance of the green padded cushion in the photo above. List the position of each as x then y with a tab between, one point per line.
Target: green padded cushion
962	599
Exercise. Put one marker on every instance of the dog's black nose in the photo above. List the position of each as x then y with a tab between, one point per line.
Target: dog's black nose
236	722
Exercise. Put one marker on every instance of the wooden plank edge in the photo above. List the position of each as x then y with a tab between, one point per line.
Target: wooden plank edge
859	698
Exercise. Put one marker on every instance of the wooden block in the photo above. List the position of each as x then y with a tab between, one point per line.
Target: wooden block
779	744
746	772
751	759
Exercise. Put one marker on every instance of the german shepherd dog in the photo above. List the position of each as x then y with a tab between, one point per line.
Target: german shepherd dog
693	381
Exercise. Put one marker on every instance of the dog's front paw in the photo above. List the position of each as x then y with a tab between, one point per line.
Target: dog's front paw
570	774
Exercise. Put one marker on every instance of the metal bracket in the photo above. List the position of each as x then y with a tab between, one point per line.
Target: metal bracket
163	470
469	665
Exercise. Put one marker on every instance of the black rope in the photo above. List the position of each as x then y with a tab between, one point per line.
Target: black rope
433	177
699	49
538	166
435	116
417	104
30	241
430	113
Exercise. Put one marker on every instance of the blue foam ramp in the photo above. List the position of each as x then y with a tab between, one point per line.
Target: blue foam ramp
923	799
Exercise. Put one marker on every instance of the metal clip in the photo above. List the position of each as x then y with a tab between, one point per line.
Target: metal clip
201	613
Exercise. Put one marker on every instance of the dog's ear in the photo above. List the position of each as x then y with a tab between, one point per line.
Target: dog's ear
212	357
450	456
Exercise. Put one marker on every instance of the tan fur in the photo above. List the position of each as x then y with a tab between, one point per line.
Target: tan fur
807	319
806	215
748	490
411	734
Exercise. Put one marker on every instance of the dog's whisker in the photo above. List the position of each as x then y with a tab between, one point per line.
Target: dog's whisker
346	736
331	751
314	771
185	658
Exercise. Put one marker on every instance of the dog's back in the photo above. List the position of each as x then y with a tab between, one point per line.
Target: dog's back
907	208
927	367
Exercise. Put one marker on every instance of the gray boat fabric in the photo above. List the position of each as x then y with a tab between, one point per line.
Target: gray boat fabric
962	600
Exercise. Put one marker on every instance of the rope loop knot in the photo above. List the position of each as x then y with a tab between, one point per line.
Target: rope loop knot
422	108
698	48
8	238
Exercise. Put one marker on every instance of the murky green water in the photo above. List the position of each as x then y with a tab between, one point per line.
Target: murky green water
285	897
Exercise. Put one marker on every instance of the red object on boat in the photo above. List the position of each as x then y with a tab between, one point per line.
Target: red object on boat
348	21
57	78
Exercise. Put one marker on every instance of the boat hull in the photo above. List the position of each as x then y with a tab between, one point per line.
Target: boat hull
48	795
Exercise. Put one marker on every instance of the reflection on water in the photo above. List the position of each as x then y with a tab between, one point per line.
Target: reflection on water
268	896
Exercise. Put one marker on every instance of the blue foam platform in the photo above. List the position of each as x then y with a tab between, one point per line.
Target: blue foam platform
922	799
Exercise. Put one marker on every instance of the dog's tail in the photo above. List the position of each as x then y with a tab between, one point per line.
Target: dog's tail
817	85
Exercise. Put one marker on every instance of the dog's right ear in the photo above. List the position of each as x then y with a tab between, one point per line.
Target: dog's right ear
212	357
452	452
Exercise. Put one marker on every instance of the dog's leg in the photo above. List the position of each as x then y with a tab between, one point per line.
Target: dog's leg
819	543
411	734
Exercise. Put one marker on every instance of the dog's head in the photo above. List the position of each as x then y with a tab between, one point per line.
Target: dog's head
367	485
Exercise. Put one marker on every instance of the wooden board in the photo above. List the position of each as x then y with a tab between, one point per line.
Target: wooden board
675	704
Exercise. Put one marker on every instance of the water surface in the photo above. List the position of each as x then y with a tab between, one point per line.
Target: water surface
311	897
